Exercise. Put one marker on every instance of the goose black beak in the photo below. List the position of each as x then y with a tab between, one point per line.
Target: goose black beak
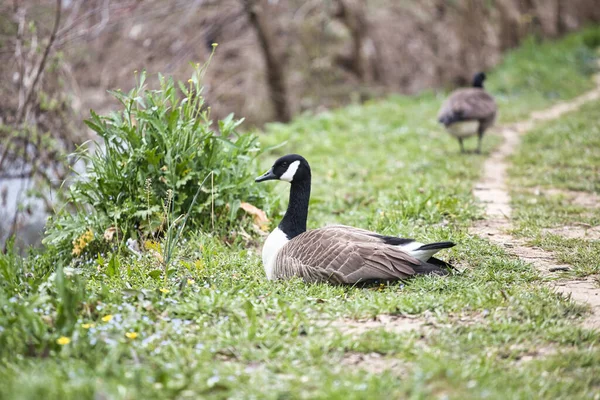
267	176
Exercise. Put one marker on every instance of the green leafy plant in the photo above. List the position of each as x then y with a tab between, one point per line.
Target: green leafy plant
36	305
162	141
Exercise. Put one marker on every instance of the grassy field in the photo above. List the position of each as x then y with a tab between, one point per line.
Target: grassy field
536	75
556	162
218	329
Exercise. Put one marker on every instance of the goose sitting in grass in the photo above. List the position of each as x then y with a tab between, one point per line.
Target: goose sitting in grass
337	254
469	111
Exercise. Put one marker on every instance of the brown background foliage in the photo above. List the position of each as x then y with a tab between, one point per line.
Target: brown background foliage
329	52
275	58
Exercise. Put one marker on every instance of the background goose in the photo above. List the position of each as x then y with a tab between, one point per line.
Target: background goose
469	111
337	254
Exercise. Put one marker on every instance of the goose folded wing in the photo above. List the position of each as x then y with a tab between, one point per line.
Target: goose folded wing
362	235
327	255
466	105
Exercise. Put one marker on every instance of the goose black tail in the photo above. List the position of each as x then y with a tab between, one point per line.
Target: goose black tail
442	264
435	266
436	246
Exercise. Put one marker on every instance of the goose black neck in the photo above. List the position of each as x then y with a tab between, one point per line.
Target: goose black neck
478	81
294	220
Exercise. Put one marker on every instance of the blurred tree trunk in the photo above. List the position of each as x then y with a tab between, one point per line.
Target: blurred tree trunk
548	13
353	14
472	39
561	27
530	18
510	24
275	70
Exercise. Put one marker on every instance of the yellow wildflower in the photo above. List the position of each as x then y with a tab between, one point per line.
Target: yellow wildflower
63	340
152	245
191	281
131	335
107	318
190	80
87	326
164	290
82	241
215	44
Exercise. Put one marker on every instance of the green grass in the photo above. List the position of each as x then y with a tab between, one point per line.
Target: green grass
219	329
562	155
536	75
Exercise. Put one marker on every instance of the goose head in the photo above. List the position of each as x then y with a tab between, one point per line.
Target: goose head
290	168
478	79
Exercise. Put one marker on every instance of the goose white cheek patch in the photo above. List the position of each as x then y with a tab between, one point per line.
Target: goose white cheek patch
288	176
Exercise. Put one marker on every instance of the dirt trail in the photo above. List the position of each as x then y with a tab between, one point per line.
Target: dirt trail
492	190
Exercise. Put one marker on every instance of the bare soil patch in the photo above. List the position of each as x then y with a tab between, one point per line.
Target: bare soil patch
376	363
582	231
584	291
390	323
536	353
574	197
422	323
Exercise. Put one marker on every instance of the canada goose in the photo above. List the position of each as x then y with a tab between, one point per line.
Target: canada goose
337	254
469	111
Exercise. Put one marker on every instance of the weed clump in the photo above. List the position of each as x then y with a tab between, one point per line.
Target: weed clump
161	157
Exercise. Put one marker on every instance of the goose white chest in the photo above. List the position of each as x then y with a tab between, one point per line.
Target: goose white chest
463	129
275	241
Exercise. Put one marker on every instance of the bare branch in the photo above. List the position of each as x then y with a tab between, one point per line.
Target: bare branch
21	113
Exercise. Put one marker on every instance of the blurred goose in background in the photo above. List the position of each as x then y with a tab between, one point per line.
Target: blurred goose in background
337	254
469	111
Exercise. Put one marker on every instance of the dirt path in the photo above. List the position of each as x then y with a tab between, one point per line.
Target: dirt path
492	190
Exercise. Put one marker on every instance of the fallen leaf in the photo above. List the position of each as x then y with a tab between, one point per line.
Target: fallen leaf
109	234
260	218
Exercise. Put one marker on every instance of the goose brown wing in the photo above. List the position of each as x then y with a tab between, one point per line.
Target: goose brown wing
363	235
342	256
468	104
